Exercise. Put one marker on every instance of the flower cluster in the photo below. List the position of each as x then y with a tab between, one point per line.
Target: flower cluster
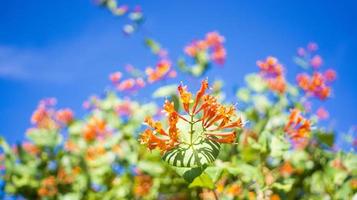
309	55
297	127
163	69
317	85
48	187
273	72
217	121
45	116
129	85
142	185
213	43
95	128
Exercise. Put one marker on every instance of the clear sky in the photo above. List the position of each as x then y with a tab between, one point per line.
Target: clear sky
66	49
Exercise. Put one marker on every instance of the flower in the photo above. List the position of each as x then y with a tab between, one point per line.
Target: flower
217	121
162	70
317	84
322	113
211	45
48	187
297	127
286	169
273	72
142	185
95	127
115	77
312	46
316	61
64	116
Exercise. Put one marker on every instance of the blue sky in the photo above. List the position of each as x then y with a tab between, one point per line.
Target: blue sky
66	49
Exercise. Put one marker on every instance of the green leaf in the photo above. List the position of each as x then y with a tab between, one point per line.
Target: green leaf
203	180
214	172
194	150
165	91
198	154
255	82
243	94
326	138
189	174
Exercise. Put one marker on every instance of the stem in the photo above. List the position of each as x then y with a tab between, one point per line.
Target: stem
191	130
215	194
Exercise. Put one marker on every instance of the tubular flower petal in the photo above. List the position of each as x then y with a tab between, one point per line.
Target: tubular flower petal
273	72
217	121
317	84
297	127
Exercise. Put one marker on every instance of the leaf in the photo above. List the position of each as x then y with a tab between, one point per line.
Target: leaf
326	138
189	174
214	172
243	94
204	152
203	180
165	91
255	82
194	150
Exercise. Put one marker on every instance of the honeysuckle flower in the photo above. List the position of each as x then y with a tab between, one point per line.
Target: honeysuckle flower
297	126
286	169
217	121
124	108
30	148
142	185
322	113
318	84
273	72
316	61
301	52
95	127
161	71
115	77
330	75
211	45
64	116
312	46
48	187
44	116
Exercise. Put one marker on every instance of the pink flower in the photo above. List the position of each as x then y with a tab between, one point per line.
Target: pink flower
219	55
115	77
126	85
322	113
301	52
316	61
330	75
64	116
214	39
312	46
140	82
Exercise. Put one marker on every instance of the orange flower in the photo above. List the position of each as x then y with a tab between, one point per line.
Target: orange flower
273	72
162	70
64	116
48	187
234	190
142	185
317	84
212	45
275	197
286	169
297	127
30	148
94	128
218	121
